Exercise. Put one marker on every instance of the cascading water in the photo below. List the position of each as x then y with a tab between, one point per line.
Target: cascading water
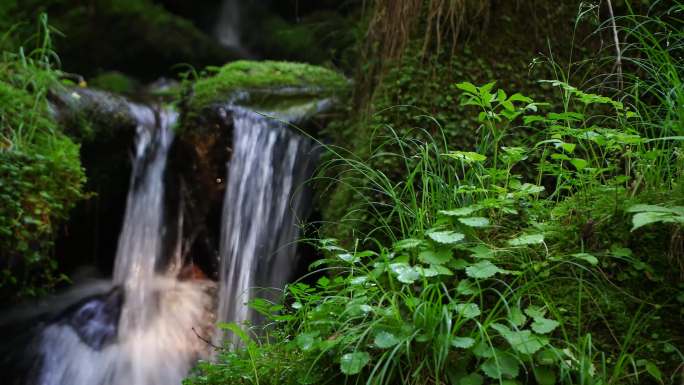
150	339
227	27
263	203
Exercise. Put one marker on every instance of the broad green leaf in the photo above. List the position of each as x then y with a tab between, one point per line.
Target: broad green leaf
587	257
467	310
653	370
543	325
404	272
460	212
466	287
462	342
474	221
522	341
535	311
467	87
657	209
500	366
349	258
446	237
426	271
435	257
481	252
441	270
467	156
471	379
483	270
529	239
353	363
518	97
407	244
516	316
649	217
385	340
580	164
544	375
530	188
306	341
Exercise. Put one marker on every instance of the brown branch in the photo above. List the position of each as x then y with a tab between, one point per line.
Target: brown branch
204	339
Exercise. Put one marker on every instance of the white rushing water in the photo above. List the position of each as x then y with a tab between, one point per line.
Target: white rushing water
151	339
228	24
263	205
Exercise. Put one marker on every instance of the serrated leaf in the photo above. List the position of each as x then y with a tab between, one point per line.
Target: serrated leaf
522	341
462	342
483	270
543	325
446	237
426	271
530	239
435	257
441	270
535	311
385	340
516	316
460	212
407	244
474	221
353	363
404	272
502	365
467	310
466	287
481	251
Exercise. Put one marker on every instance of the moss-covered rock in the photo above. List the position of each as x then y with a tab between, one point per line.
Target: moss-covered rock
233	80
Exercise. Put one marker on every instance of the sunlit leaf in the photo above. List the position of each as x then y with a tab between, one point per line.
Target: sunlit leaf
385	340
446	237
353	363
474	221
482	270
530	239
462	342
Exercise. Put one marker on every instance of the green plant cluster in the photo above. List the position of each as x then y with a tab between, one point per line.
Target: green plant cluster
41	177
493	274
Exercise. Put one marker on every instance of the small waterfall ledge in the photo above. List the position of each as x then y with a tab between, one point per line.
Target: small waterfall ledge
216	196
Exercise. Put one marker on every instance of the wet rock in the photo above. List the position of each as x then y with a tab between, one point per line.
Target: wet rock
300	94
95	319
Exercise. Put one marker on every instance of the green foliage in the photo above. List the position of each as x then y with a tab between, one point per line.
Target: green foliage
40	172
467	290
528	242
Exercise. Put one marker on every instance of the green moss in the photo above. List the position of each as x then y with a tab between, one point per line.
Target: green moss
266	75
114	81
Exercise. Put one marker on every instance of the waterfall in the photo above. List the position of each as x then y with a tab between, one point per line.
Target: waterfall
228	25
151	339
263	203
